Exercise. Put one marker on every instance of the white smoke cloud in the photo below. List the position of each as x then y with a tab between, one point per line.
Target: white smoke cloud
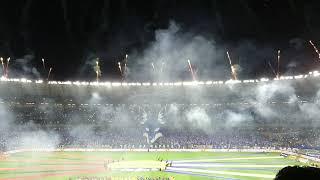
198	118
234	119
26	66
38	139
169	54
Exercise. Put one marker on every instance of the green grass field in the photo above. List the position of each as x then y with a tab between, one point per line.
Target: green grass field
185	165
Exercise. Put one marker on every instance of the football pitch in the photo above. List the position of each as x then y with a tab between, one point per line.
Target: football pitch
143	165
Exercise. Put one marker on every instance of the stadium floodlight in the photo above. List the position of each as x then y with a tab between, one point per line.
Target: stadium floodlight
106	84
154	84
209	83
178	83
248	81
185	83
190	83
39	81
94	83
231	81
116	84
298	77
284	77
160	84
76	83
84	83
316	74
23	80
52	82
146	84
264	79
201	83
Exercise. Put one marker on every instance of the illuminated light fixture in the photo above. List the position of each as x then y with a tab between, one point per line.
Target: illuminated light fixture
84	83
178	83
76	83
264	79
316	74
298	77
116	84
232	81
190	83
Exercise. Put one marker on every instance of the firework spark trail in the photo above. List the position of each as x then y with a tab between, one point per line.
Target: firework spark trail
272	69
125	63
49	73
191	70
3	69
315	48
8	61
233	69
120	69
43	64
278	70
98	71
152	66
162	64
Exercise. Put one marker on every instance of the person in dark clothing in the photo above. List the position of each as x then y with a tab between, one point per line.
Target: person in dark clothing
297	172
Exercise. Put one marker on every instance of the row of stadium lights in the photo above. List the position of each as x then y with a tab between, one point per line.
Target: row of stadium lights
208	105
190	83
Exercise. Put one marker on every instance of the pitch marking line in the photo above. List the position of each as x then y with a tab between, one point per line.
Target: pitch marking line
228	165
220	172
231	159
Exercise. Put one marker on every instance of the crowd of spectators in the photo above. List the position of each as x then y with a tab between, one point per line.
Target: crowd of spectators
170	139
122	126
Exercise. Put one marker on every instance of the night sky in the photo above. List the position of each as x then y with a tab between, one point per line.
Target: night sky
68	33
